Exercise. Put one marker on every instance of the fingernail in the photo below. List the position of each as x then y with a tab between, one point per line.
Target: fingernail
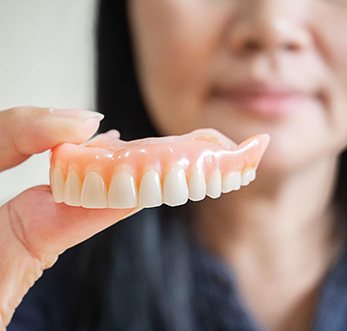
115	134
78	114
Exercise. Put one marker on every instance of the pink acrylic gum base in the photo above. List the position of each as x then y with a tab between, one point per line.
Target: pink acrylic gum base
205	149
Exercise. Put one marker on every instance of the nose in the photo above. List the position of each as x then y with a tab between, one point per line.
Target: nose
268	27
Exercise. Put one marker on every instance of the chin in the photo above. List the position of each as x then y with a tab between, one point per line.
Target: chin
277	166
282	160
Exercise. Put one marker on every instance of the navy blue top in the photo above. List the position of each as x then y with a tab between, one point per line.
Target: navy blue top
49	304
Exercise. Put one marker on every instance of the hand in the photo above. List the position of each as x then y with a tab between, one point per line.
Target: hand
32	222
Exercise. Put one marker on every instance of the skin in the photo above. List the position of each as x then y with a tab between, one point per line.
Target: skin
287	237
33	229
282	243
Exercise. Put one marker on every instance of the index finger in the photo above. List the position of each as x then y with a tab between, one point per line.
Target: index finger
28	130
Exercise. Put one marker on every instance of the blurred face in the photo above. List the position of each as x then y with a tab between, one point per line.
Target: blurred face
247	67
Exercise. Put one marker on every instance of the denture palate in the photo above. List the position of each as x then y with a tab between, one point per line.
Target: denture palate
107	172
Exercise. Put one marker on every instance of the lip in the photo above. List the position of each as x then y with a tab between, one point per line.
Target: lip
266	99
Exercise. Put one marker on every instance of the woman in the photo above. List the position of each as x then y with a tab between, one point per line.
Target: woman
271	256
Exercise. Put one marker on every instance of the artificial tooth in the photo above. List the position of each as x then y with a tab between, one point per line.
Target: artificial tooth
122	191
94	191
214	185
72	190
247	177
197	185
150	190
57	180
175	188
231	182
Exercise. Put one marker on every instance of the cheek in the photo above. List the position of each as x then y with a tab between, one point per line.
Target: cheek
333	39
175	43
333	36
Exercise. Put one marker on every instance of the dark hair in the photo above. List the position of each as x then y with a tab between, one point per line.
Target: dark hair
341	186
136	275
119	96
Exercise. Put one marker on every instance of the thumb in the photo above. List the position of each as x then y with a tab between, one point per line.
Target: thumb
47	229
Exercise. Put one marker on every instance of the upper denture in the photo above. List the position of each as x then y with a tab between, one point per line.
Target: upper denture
107	172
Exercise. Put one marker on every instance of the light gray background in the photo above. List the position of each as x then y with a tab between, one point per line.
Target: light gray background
46	59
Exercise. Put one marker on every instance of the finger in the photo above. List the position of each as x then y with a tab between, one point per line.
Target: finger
47	228
26	130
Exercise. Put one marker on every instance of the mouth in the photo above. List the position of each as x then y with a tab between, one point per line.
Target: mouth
274	100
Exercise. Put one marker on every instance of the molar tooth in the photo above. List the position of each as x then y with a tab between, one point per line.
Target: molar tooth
175	188
231	182
94	191
57	181
247	177
150	190
252	174
72	190
122	191
214	184
197	185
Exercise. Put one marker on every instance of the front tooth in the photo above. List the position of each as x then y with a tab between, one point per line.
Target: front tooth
175	188
72	190
122	192
247	177
150	190
57	181
231	182
197	185
94	193
214	184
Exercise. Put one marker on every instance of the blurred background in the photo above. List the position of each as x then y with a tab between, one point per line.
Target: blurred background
45	61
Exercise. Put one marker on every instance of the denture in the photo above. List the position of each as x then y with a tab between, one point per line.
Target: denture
107	172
